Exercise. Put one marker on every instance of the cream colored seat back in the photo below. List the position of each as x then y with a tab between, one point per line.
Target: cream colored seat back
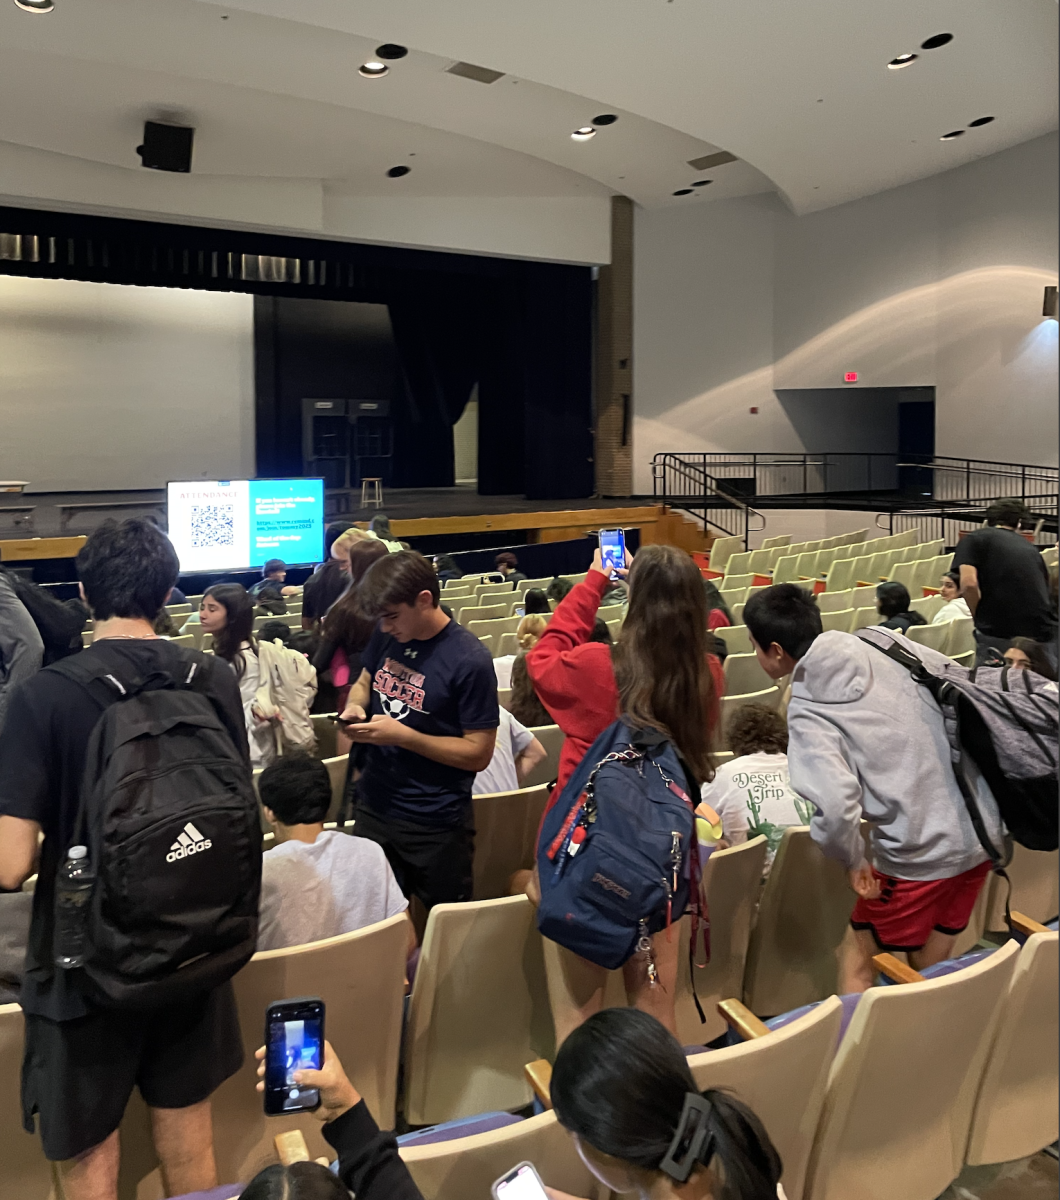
552	738
482	612
337	768
1035	876
772	543
934	636
525	585
326	731
722	550
785	569
962	636
840	620
361	978
829	601
479	1011
734	583
736	638
806	904
24	1171
864	617
782	1078
744	673
1015	1112
506	825
465	1168
898	1108
732	880
927	606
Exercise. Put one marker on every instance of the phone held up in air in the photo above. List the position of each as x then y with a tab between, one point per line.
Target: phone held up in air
520	1183
612	551
294	1041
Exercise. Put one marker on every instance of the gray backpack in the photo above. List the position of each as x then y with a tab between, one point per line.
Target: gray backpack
1006	722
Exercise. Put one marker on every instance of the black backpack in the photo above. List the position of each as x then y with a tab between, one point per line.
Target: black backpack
170	819
58	624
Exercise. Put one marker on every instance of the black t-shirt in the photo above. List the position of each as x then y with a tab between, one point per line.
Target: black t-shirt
42	760
323	588
440	687
1013	584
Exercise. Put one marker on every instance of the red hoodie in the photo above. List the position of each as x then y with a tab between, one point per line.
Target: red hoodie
574	679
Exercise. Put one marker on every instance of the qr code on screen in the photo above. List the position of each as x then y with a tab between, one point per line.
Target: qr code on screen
212	525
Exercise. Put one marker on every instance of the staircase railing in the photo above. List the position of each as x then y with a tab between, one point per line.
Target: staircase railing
686	485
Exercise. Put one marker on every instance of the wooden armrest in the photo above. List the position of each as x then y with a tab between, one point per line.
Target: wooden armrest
539	1076
895	969
1027	924
291	1147
740	1018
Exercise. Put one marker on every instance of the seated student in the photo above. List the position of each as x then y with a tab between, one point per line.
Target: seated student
524	704
515	754
751	792
508	567
317	883
273	574
535	601
1025	654
557	589
446	568
718	615
531	627
892	603
956	606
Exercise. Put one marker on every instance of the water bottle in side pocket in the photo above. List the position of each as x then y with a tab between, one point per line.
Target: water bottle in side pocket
73	894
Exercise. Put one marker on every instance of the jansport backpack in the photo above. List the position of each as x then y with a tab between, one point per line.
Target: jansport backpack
1005	723
287	688
170	819
617	855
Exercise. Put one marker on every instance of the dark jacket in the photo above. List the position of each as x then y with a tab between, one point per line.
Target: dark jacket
369	1165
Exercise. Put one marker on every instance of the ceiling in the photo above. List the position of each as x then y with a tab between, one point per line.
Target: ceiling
798	90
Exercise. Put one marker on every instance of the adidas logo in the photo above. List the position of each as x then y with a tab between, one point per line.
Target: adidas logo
190	842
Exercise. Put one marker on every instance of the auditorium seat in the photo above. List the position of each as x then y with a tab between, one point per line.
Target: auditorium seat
722	550
504	697
739	564
614	626
926	606
495	627
552	738
183	640
733	596
506	825
478	1012
785	568
733	583
24	1171
732	881
842	620
772	543
361	978
487	641
326	730
1035	888
176	610
729	705
488	589
737	639
509	644
864	617
962	636
524	585
829	601
337	768
744	673
840	576
482	612
934	636
900	1094
803	915
782	1076
862	570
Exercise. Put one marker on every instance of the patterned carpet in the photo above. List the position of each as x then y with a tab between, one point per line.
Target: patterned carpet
1034	1178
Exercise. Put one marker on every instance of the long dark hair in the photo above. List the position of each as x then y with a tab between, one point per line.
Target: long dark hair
535	601
893	598
299	1181
524	704
239	624
661	669
344	624
620	1082
1039	663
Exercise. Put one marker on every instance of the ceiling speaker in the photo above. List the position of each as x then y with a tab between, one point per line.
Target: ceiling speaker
166	147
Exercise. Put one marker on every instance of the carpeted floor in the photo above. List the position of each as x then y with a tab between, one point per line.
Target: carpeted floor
1034	1178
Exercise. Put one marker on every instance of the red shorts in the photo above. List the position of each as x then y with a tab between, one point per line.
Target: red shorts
908	910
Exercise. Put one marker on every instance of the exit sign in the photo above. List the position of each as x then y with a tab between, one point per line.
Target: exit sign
850	377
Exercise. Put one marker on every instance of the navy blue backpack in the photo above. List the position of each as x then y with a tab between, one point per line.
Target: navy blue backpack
617	855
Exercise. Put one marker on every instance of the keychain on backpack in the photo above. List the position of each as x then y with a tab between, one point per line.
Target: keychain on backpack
644	947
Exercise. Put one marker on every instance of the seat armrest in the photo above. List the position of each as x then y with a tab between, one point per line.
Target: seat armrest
1027	925
895	969
291	1147
740	1018
539	1076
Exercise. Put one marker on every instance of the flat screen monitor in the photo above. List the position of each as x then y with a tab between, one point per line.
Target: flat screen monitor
239	524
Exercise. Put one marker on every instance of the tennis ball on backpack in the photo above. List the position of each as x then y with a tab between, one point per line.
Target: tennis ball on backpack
708	825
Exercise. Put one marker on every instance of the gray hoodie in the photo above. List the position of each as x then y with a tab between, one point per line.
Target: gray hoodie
866	741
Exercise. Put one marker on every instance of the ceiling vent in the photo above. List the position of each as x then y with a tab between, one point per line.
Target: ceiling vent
478	74
709	161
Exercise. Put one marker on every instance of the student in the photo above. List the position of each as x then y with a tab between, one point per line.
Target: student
446	567
515	755
558	589
892	603
81	1060
379	527
1005	582
718	615
327	582
867	742
620	1086
273	573
525	704
751	792
535	602
1027	655
227	612
660	676
956	606
425	707
508	567
317	883
21	646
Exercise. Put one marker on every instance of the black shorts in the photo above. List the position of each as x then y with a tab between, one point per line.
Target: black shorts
433	864
78	1075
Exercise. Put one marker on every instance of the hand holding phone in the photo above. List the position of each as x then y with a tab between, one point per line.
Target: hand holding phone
520	1183
612	552
294	1041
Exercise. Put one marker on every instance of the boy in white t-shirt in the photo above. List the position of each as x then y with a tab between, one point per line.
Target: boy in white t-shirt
750	791
515	754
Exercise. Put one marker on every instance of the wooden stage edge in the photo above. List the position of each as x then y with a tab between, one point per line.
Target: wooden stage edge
655	522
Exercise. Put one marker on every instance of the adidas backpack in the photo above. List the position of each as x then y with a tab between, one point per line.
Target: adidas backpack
170	819
617	855
286	692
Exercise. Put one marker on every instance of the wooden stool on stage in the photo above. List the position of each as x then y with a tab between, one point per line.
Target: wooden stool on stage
372	493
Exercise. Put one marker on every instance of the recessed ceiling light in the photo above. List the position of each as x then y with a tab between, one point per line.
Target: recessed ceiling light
979	121
397	172
584	133
391	50
702	182
940	39
954	133
605	119
373	69
683	192
36	6
902	60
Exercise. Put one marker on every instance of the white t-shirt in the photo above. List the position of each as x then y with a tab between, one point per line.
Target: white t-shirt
752	795
501	775
503	668
312	891
952	610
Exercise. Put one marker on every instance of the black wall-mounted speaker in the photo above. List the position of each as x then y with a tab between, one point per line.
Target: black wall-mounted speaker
166	147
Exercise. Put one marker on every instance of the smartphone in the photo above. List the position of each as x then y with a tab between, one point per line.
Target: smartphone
520	611
520	1183
613	550
294	1040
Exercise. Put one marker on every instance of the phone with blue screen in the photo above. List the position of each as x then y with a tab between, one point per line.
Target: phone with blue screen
520	1183
294	1041
612	550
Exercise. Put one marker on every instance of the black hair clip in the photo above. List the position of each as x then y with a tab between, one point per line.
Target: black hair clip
694	1140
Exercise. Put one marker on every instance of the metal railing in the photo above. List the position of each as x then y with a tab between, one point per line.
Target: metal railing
687	485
